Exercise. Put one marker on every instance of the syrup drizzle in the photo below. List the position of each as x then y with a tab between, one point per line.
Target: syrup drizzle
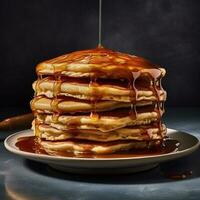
100	23
133	94
156	87
94	97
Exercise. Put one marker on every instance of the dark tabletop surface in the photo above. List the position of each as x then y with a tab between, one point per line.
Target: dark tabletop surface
23	179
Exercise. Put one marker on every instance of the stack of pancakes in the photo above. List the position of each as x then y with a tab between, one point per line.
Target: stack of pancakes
98	101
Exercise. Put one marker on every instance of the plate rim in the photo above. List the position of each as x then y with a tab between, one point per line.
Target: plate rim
56	158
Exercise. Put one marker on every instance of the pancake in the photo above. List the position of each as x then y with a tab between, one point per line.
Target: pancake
83	90
84	147
105	122
145	132
70	105
98	62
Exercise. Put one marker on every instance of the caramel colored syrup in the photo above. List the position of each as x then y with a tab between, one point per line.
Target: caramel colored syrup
94	97
133	94
31	144
156	88
56	91
100	23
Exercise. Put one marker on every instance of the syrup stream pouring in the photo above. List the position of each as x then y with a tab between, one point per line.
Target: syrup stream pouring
100	23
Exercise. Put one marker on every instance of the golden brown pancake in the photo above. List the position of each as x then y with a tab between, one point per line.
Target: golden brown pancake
145	132
98	62
81	147
82	90
70	105
105	121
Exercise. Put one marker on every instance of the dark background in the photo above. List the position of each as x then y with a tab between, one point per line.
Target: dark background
164	31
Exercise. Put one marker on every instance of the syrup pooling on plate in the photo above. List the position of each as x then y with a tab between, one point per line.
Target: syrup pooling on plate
31	144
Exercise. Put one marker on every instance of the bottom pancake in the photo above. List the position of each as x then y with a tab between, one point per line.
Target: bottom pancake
83	146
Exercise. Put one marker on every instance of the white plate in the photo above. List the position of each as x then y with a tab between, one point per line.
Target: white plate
189	143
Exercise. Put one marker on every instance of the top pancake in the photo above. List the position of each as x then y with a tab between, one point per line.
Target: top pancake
100	62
